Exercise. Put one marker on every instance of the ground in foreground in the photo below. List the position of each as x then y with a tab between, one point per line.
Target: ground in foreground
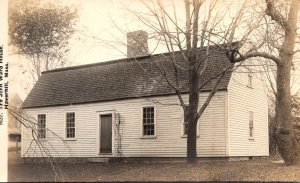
252	170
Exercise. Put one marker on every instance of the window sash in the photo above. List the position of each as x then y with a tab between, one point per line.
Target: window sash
250	80
250	131
148	129
70	132
70	125
185	128
185	122
251	127
41	133
148	121
41	126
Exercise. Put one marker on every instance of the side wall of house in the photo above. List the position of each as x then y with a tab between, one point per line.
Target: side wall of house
169	141
243	99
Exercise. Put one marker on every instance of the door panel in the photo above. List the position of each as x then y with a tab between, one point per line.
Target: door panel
106	133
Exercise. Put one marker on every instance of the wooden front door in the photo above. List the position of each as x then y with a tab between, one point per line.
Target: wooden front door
106	133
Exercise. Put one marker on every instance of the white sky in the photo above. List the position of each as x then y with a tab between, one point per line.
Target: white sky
97	19
99	24
105	20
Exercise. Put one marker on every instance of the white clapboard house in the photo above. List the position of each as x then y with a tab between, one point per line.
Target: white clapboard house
117	109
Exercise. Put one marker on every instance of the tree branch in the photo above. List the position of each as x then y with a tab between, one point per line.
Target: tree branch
255	54
212	93
276	15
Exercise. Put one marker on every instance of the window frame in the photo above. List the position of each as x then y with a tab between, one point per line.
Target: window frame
45	128
65	122
142	136
183	125
251	125
250	80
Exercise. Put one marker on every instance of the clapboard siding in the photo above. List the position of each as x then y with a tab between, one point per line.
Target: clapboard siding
168	142
241	100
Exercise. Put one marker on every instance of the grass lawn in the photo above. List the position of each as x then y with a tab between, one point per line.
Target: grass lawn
252	170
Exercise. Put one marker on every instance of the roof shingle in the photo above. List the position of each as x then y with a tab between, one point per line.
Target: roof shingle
119	79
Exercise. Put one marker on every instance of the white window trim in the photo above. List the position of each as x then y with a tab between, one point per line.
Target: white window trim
44	139
249	137
65	126
250	85
182	125
142	136
98	128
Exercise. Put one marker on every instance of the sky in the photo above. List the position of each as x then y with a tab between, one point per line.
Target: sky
96	30
96	25
102	22
101	34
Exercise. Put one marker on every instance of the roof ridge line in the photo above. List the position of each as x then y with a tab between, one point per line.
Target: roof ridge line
117	61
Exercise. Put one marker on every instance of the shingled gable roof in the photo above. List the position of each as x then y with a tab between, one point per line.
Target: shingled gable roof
119	79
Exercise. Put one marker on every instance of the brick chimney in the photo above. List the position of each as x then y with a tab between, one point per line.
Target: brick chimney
137	44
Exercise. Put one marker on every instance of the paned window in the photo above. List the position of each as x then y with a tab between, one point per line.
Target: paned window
41	126
70	125
148	121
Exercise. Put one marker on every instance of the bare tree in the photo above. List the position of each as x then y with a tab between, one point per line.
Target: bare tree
40	32
268	72
200	30
38	147
192	41
283	58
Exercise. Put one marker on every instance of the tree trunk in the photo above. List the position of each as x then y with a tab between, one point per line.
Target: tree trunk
192	120
191	141
284	132
193	103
